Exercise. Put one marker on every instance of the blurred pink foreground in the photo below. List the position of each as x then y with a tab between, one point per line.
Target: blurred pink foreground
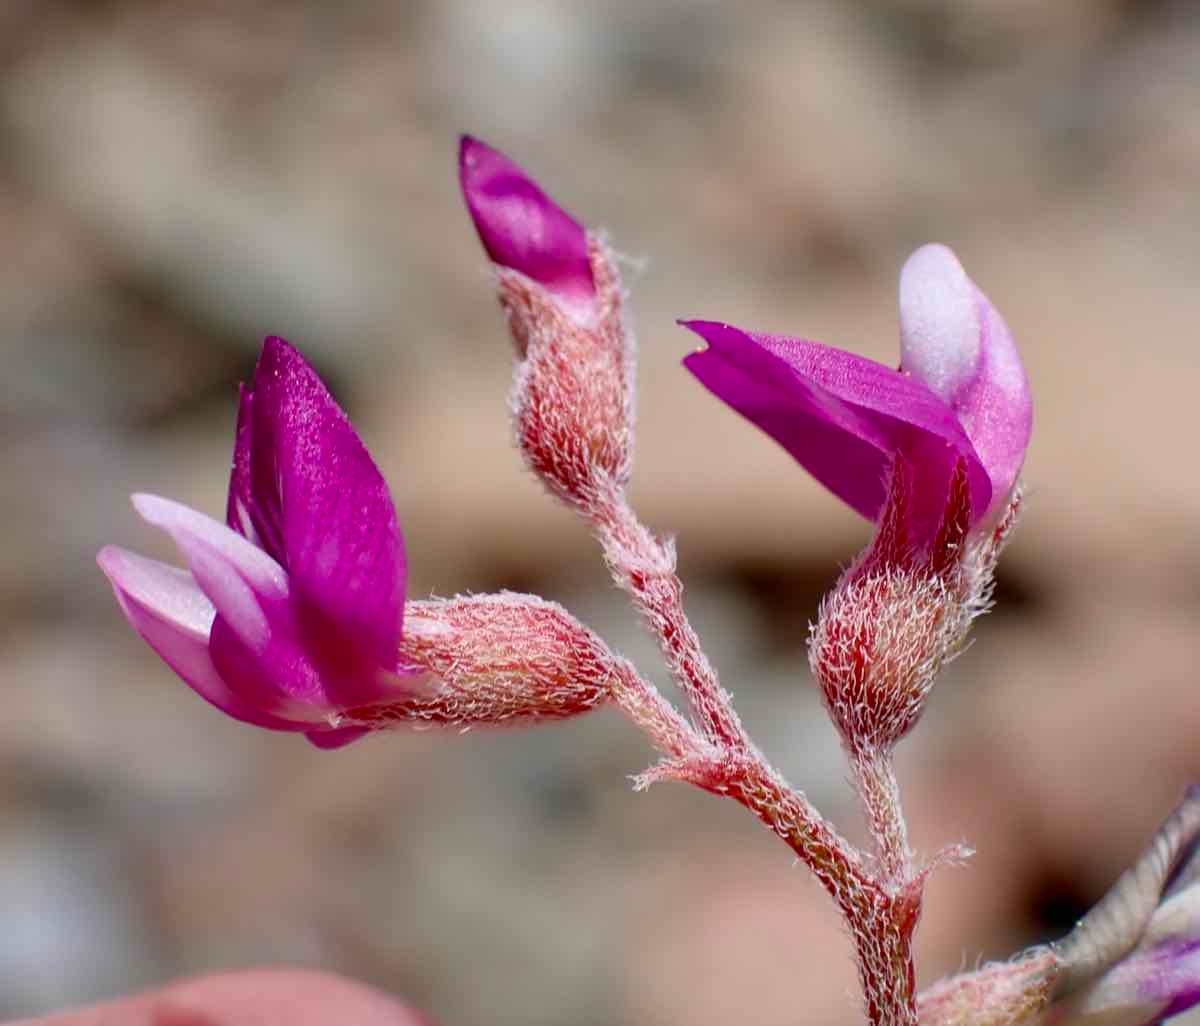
253	998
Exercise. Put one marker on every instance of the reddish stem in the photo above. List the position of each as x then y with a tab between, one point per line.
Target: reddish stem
881	918
718	756
644	568
879	791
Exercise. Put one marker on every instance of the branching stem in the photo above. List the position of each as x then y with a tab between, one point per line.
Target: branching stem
879	902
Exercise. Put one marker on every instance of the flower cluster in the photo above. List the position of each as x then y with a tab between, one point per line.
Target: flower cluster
293	614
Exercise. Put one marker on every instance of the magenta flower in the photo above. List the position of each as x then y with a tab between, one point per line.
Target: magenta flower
291	613
524	229
959	397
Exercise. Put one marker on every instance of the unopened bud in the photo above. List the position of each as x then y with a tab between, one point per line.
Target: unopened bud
572	400
498	659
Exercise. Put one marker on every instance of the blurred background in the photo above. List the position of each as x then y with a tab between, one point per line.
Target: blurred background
178	180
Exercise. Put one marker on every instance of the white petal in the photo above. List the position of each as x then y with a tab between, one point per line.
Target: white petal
939	321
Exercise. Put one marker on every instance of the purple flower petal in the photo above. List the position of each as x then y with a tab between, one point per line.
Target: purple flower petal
954	340
521	227
335	737
842	417
300	598
1166	965
256	518
174	617
339	537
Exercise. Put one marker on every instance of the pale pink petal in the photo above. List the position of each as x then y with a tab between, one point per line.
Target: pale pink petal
174	617
180	521
255	641
954	340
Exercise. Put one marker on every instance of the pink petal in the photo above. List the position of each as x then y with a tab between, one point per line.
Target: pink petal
521	227
184	524
255	642
841	416
273	651
278	676
340	538
955	341
171	594
173	616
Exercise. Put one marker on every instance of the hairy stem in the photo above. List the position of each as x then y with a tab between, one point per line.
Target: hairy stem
644	567
878	789
790	815
657	718
879	903
881	919
883	933
996	995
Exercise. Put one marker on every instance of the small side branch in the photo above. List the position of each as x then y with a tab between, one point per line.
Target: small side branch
657	718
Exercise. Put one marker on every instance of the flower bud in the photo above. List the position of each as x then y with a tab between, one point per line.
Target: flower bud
503	658
572	400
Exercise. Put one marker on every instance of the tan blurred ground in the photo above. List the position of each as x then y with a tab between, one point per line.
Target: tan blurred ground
178	180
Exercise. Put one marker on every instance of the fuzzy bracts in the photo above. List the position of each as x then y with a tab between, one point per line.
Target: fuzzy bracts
572	395
499	659
998	994
900	613
879	643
